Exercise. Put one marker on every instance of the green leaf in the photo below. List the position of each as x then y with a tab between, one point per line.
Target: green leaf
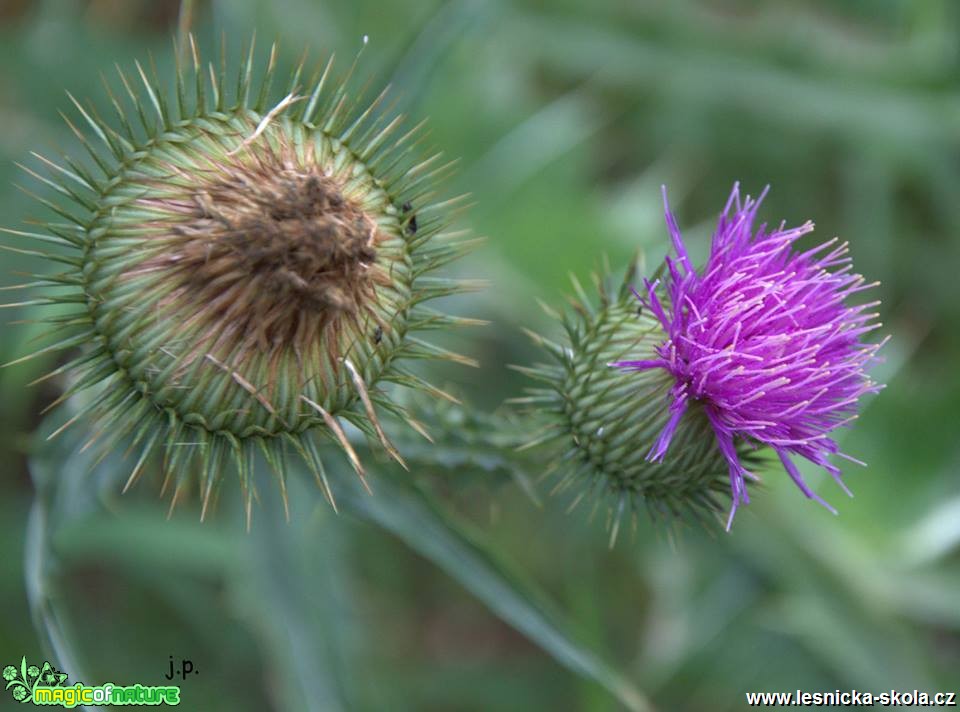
291	588
435	534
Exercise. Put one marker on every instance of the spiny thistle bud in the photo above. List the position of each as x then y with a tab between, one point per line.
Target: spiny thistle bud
602	421
242	274
762	341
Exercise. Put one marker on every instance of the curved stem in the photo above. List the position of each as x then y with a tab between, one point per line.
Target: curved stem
48	620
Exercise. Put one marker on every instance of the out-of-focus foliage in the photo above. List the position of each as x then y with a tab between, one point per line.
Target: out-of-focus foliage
568	115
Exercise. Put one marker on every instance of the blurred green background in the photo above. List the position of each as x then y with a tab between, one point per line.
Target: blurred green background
567	116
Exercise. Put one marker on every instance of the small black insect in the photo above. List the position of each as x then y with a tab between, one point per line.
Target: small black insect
640	310
378	335
412	221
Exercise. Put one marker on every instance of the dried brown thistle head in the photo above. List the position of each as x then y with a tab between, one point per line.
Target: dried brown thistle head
241	278
274	255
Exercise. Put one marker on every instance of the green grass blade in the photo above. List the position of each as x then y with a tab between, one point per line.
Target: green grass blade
412	517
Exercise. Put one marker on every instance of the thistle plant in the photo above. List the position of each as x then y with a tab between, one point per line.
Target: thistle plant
762	342
242	274
657	394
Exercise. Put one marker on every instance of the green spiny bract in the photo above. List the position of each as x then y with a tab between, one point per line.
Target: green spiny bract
243	274
602	422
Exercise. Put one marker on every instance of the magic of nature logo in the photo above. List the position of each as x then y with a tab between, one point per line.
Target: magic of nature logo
46	686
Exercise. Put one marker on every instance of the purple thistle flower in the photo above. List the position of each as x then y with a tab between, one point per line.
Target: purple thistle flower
763	339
